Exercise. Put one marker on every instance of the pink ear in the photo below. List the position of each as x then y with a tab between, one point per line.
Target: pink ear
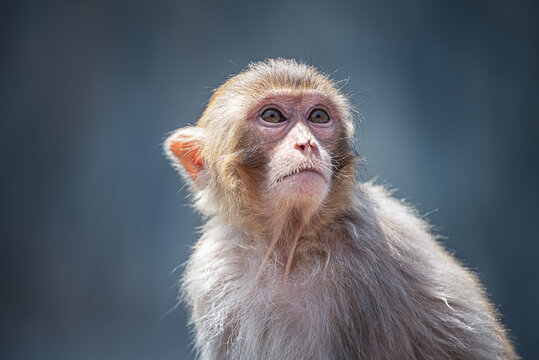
184	145
189	155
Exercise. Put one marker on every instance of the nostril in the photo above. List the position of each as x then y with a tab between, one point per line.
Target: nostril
300	146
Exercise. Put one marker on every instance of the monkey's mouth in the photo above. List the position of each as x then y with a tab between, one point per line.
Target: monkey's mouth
302	171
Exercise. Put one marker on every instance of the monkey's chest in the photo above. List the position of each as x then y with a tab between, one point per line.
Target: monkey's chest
284	322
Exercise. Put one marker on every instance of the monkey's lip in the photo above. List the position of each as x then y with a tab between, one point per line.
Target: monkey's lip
301	171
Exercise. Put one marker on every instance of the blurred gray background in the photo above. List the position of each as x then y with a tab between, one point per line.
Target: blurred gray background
94	220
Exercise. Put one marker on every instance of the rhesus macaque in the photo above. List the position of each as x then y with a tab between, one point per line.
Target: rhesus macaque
297	260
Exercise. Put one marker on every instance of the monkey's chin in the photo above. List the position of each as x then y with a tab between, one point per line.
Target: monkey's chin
304	186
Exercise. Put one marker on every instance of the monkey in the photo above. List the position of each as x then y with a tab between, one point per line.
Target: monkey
297	258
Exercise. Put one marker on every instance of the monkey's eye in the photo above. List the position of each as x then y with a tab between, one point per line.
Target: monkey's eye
319	116
272	116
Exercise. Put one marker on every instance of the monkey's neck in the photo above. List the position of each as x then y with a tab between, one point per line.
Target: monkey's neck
284	235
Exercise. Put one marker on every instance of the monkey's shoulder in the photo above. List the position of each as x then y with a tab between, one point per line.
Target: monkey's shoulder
378	205
410	243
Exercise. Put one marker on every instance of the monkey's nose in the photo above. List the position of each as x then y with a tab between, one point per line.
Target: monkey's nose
305	146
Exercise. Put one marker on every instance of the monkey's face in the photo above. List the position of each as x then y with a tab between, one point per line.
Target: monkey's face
296	133
273	138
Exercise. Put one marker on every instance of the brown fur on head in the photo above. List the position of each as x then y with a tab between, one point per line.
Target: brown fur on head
227	160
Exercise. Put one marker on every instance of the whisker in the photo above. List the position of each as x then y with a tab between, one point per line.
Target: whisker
291	257
268	255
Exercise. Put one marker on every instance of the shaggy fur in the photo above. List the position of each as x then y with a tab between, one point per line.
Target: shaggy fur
368	281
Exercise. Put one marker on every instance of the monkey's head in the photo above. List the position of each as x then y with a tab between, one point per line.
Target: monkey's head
274	140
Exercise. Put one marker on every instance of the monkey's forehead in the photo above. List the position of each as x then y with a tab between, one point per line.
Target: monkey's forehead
245	104
243	94
283	74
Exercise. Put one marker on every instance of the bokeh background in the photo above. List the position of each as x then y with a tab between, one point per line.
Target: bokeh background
94	221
